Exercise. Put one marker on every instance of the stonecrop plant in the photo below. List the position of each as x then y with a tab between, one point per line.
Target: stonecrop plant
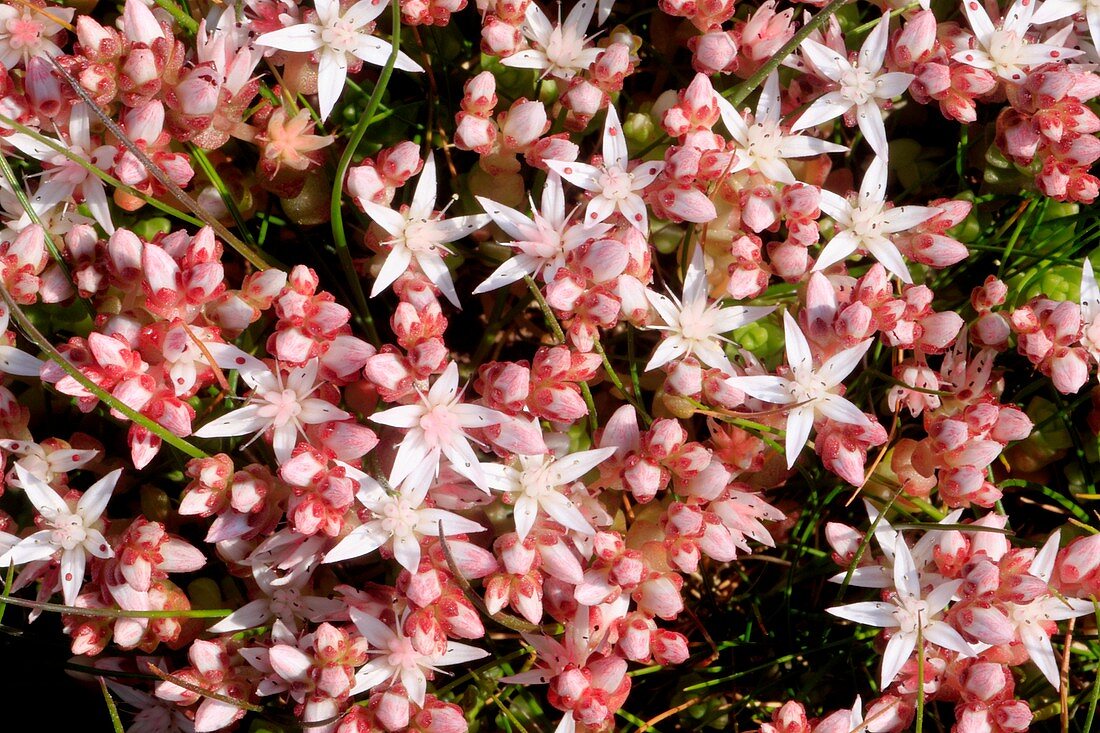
396	365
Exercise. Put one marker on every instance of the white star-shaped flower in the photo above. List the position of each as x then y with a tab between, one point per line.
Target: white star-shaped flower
612	185
561	51
419	233
810	392
536	484
1005	50
333	35
398	660
869	224
1030	618
862	85
75	532
693	325
436	427
399	519
763	145
908	614
542	241
284	406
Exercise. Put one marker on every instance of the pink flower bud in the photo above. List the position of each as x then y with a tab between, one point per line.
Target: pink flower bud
714	52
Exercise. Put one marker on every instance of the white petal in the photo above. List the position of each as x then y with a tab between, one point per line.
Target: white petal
906	579
873	52
897	653
614	142
397	262
423	201
839	248
17	363
1038	648
840	410
825	60
841	364
73	563
41	494
574	466
363	540
942	634
579	174
300	38
800	421
94	500
524	513
799	356
239	422
871	613
869	119
827	107
763	387
248	616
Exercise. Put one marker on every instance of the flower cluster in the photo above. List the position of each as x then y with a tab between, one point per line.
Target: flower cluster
364	364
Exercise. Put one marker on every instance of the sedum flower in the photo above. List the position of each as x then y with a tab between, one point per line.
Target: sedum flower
862	86
75	532
542	240
560	50
612	186
536	485
693	325
28	30
398	660
282	405
334	34
869	224
436	428
810	392
762	145
399	520
1033	620
420	234
909	614
1005	50
63	178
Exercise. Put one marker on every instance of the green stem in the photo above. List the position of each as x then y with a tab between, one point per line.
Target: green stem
112	709
223	190
615	380
56	357
339	236
919	726
178	14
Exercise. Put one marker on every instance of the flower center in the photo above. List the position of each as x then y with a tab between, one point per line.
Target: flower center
439	425
858	85
282	407
911	614
398	517
616	183
402	654
421	236
68	531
